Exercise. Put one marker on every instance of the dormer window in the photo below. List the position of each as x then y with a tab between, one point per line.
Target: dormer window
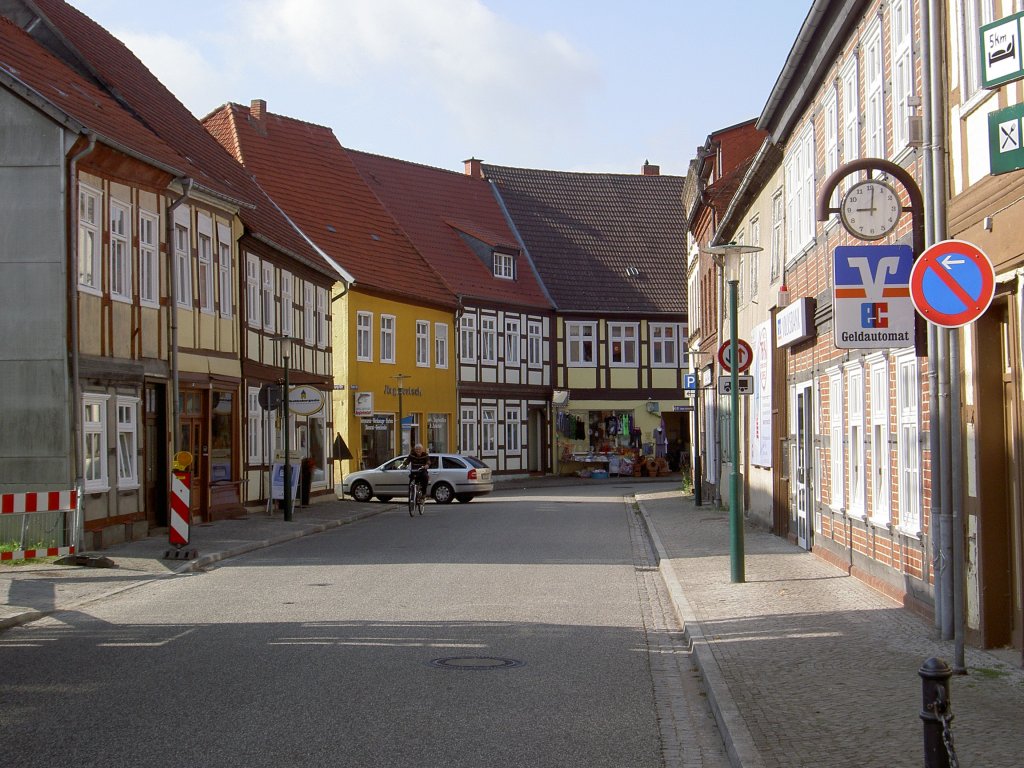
504	265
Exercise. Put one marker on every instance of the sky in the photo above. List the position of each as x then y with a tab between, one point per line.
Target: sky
569	85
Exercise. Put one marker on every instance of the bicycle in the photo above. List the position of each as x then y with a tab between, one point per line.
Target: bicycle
416	495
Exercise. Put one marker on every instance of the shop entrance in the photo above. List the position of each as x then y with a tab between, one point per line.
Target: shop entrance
157	468
677	440
192	438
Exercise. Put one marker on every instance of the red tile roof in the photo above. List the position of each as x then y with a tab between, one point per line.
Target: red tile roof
438	209
307	171
90	47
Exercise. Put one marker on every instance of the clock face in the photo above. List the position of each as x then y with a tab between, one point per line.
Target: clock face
870	210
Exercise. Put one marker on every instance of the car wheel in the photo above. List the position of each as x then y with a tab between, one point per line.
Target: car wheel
385	499
464	498
443	493
361	491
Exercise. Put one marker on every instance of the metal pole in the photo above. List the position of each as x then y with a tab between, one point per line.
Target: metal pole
287	447
735	515
935	705
698	492
957	461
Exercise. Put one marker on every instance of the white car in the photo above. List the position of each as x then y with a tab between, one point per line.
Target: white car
452	476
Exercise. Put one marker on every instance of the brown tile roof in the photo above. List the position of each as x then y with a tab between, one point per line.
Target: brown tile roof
307	171
91	48
603	243
455	222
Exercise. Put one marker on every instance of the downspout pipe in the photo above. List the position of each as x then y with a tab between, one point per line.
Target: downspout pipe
78	450
172	290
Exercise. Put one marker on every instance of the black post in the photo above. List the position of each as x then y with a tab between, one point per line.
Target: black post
935	706
287	448
695	446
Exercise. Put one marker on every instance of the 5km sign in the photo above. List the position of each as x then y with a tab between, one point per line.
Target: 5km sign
952	283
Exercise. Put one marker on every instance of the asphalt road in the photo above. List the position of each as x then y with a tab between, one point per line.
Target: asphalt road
518	630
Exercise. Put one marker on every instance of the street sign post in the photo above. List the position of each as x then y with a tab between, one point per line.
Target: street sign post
952	283
744	356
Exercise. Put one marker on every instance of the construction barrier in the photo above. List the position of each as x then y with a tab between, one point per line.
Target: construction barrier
180	508
43	519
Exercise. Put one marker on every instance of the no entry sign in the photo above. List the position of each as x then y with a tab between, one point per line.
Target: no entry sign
952	283
744	355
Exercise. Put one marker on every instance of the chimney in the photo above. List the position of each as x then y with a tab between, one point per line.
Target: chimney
473	168
650	170
258	109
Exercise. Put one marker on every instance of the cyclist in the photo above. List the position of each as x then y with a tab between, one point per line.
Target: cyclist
418	463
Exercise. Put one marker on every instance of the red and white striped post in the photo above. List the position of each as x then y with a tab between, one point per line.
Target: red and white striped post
180	508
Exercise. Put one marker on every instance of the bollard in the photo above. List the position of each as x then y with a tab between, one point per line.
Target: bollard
936	713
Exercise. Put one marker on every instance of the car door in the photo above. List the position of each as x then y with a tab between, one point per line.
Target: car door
392	479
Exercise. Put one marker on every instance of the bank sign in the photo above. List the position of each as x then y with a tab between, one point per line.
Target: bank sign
872	308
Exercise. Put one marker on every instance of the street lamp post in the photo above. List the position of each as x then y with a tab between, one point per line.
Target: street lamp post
285	346
736	559
400	377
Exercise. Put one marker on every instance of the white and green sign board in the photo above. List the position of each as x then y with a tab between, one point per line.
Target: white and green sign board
1000	51
1006	139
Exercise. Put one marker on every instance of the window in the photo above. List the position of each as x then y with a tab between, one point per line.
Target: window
693	300
975	14
907	448
488	431
534	343
267	293
387	338
850	112
901	20
94	436
182	266
467	430
149	274
778	235
422	343
664	345
309	313
855	438
512	340
127	442
830	110
88	238
755	257
874	110
467	339
253	300
488	340
513	430
120	253
287	304
225	272
880	442
441	345
255	427
364	336
622	340
504	265
205	273
323	333
835	438
799	190
580	337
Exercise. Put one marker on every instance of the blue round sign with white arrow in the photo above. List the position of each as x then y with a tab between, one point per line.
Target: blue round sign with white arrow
952	283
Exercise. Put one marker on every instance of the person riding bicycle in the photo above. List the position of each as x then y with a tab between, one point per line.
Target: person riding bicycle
418	463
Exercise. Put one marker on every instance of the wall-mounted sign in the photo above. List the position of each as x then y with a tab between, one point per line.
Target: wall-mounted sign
1005	141
1000	51
305	400
794	323
871	306
364	404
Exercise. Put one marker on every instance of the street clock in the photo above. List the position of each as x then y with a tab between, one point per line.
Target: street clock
870	209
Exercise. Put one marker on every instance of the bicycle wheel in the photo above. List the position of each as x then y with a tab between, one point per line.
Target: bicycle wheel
419	498
413	488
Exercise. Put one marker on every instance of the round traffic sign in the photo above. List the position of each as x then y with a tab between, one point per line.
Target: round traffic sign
746	354
952	283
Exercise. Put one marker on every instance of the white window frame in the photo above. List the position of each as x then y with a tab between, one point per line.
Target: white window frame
627	335
581	339
255	427
441	345
849	77
94	443
267	294
149	260
836	437
204	272
778	244
901	22
799	191
287	303
467	338
534	343
225	271
253	297
120	252
874	96
830	113
971	16
308	313
90	240
422	344
908	448
364	336
513	429
878	370
488	431
488	339
856	458
513	341
755	257
323	329
127	453
183	265
468	430
504	265
387	338
664	345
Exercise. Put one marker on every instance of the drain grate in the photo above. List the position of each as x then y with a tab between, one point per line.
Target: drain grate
476	662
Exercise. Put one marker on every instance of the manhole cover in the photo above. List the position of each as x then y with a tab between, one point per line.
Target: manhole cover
476	662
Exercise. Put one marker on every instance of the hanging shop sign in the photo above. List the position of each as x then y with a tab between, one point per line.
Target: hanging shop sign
795	323
1000	51
305	400
871	296
364	404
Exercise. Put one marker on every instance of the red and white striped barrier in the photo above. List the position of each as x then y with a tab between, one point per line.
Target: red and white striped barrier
180	508
42	501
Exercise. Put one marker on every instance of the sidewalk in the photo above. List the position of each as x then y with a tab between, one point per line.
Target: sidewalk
806	666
